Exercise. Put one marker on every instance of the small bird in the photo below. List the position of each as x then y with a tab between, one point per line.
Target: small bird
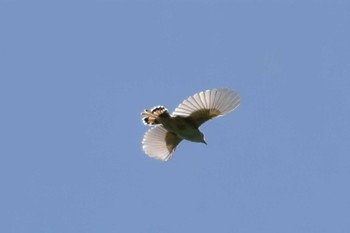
160	141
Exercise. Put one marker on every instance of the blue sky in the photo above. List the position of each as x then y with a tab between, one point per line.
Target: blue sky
75	76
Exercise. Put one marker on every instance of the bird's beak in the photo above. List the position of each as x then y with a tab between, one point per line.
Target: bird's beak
204	142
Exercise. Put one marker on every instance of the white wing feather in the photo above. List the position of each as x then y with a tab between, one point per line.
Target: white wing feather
222	100
158	144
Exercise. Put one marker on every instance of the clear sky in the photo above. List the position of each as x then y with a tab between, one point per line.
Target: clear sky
75	75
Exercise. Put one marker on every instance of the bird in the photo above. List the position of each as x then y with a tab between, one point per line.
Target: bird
168	130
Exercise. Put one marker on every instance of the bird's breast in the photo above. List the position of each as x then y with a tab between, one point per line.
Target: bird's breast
181	127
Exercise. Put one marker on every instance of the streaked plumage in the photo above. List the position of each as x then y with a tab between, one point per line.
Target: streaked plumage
183	124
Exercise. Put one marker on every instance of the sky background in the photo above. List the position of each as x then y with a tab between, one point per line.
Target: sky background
75	75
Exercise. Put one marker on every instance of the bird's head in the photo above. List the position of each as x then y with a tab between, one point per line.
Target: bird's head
199	137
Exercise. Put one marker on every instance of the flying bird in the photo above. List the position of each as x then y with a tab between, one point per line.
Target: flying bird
169	130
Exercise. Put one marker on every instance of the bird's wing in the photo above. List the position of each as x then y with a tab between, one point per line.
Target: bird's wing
158	143
208	104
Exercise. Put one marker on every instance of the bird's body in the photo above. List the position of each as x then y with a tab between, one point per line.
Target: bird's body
160	141
183	127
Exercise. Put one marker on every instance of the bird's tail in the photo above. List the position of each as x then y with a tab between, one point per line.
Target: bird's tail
151	117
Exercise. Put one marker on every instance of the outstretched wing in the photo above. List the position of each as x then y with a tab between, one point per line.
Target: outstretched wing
158	143
207	105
